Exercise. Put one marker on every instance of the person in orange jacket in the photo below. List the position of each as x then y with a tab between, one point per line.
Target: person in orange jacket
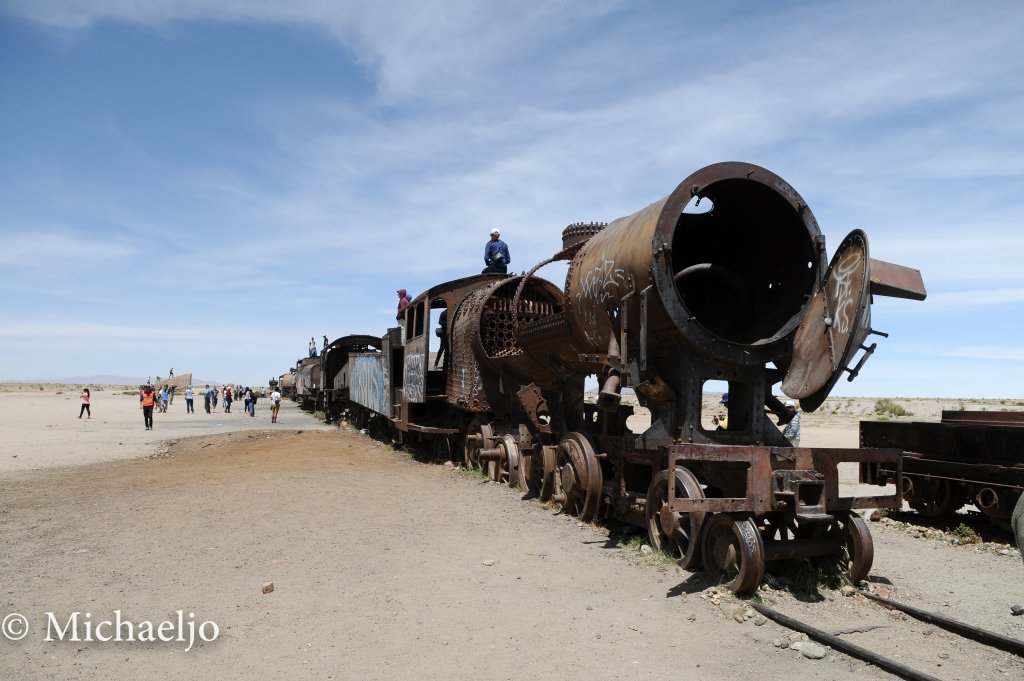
147	398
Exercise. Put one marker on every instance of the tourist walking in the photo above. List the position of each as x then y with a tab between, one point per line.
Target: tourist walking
189	395
147	399
252	405
206	399
275	405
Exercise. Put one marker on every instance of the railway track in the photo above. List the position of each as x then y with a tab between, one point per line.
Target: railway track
896	667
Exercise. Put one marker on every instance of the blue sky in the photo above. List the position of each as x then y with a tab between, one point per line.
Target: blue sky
206	184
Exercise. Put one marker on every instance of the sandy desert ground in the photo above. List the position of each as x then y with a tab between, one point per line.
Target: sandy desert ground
387	568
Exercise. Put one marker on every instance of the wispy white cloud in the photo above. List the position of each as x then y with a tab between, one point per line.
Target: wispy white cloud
59	247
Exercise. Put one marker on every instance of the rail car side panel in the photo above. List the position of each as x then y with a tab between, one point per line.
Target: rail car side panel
367	381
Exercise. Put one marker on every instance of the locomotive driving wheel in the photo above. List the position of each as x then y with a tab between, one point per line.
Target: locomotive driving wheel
733	552
675	533
578	481
542	471
478	436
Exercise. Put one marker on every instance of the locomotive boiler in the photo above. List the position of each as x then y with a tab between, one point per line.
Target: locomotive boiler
726	280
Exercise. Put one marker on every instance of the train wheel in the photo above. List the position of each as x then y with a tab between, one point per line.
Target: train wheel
857	544
733	552
934	498
543	471
525	472
512	462
578	480
498	470
477	437
442	448
675	533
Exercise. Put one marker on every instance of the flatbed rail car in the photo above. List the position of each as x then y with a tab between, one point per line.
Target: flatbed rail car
969	457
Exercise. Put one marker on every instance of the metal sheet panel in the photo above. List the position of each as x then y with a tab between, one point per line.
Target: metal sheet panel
367	381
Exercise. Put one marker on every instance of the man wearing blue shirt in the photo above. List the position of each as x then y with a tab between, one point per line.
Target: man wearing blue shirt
496	254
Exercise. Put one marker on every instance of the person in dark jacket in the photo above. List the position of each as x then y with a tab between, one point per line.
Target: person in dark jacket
496	255
442	334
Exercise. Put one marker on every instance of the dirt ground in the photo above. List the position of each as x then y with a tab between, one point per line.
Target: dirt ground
387	568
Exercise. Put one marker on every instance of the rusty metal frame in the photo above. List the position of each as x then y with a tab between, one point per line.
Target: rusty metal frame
760	495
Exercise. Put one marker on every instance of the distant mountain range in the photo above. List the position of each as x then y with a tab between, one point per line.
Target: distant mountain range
100	379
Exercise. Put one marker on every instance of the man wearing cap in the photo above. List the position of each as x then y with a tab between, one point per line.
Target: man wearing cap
496	254
792	430
722	420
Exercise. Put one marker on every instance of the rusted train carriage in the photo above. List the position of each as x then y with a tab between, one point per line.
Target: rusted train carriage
286	383
308	375
969	457
726	279
334	372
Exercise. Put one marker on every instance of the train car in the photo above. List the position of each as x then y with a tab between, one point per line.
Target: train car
969	457
334	359
725	280
308	382
286	383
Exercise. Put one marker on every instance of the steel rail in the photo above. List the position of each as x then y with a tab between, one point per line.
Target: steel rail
880	661
989	638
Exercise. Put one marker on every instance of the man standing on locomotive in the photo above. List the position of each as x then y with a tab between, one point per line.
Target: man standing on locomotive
496	255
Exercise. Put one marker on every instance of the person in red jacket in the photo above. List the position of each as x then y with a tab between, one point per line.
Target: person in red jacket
147	398
403	301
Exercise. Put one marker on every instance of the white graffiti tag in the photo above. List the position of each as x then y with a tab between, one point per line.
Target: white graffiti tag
597	287
843	297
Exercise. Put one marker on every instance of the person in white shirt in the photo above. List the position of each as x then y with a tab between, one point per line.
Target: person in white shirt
275	405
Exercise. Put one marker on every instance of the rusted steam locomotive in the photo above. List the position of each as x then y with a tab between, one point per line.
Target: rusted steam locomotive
724	280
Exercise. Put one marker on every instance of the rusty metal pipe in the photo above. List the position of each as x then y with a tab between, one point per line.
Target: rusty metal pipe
492	454
987	500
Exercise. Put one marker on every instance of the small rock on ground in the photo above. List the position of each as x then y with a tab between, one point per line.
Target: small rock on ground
810	650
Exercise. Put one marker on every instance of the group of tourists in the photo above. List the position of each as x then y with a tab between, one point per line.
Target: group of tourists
151	399
312	346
